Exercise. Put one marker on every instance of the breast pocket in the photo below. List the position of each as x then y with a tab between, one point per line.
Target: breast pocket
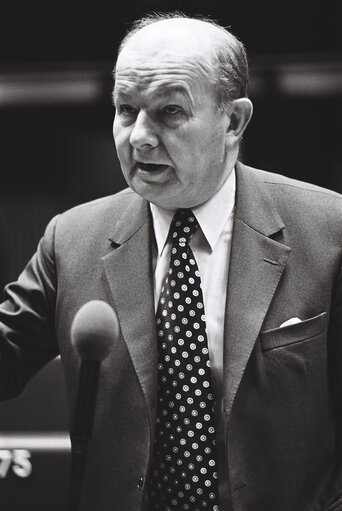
292	334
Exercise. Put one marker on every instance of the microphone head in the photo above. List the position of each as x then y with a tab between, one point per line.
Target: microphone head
94	330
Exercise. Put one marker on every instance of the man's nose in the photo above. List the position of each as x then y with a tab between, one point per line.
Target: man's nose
143	135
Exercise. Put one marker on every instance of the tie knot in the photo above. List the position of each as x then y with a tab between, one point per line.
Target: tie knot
183	226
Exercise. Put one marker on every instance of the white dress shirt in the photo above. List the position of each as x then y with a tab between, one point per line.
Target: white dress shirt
211	245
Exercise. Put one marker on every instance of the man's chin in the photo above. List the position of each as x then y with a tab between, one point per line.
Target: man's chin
162	196
164	191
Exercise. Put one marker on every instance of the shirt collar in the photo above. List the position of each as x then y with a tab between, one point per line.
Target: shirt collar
212	216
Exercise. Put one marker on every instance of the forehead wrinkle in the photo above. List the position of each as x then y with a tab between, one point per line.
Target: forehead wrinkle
130	79
140	65
169	81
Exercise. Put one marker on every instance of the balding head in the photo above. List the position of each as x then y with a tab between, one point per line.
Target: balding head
222	54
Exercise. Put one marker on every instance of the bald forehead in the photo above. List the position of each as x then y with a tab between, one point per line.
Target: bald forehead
180	35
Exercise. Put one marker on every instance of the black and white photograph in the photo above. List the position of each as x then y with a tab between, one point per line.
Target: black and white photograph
171	255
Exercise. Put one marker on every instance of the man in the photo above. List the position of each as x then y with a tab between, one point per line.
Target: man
234	401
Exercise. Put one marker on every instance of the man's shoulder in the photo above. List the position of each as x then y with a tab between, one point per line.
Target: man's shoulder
262	195
289	192
111	207
115	203
98	218
279	182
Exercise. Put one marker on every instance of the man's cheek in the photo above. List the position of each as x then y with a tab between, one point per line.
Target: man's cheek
121	143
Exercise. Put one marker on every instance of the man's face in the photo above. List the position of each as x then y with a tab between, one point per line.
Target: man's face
169	134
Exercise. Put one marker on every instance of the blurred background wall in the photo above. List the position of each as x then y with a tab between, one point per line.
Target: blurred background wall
56	117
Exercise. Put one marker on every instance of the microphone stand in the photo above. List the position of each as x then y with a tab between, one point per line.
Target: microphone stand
82	428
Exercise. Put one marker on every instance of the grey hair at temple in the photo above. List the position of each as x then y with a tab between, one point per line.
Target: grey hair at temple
230	64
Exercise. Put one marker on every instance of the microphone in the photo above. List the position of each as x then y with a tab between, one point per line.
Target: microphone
94	330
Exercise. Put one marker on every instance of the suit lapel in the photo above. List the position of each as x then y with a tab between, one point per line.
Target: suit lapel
129	273
256	265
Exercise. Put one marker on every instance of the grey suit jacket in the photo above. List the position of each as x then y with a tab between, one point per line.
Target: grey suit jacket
282	386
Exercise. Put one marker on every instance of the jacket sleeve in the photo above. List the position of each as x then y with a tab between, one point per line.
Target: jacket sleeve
27	329
335	355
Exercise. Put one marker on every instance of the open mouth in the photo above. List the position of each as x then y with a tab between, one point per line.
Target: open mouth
152	167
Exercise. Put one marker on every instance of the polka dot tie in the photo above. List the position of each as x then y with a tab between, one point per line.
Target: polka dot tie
183	473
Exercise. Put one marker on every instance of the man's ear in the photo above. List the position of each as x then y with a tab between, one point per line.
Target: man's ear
240	114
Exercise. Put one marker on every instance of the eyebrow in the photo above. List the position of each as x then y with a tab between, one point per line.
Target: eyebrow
172	88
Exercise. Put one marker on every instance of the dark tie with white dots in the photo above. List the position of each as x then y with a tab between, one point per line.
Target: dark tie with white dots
183	472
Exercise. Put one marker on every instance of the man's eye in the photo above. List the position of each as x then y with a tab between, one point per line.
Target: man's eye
172	110
127	110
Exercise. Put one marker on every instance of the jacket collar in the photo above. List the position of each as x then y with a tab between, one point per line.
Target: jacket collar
133	216
254	204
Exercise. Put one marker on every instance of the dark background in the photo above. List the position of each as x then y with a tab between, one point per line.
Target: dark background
56	114
56	120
